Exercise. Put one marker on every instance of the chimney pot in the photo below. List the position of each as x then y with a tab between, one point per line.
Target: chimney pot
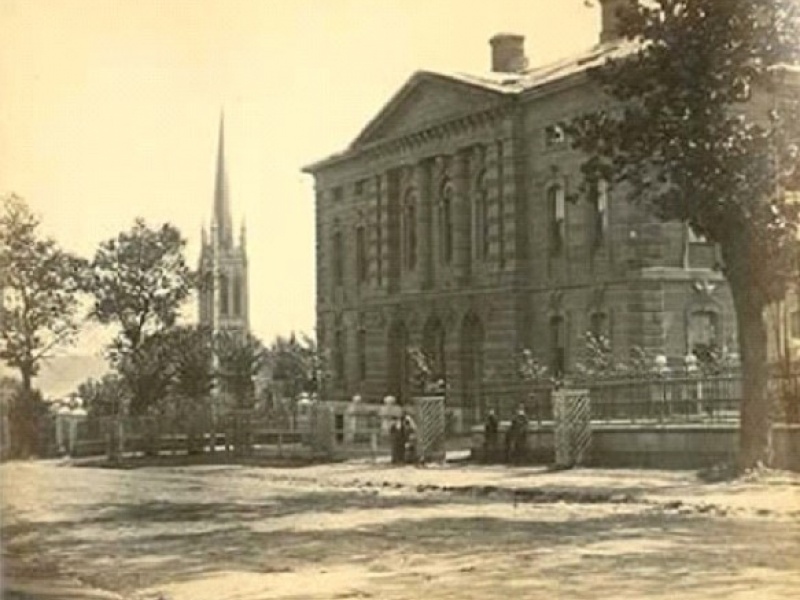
508	53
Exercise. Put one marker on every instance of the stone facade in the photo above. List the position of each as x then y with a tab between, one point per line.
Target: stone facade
456	222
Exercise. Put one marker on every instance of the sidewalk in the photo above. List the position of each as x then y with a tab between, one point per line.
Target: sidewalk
771	493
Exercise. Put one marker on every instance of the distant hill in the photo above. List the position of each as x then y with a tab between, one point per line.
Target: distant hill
61	375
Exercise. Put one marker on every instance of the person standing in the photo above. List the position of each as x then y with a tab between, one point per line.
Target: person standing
520	424
397	441
409	439
490	432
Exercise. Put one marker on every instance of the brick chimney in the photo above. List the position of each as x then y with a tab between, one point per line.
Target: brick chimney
610	21
508	53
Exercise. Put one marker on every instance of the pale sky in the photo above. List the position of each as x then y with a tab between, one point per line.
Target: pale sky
109	110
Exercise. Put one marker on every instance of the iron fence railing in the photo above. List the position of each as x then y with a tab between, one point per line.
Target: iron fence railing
672	398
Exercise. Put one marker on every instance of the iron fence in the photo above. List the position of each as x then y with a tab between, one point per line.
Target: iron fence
671	398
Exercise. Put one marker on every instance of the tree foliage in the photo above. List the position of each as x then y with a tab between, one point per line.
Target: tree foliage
192	359
702	126
106	396
40	282
241	358
148	372
139	281
295	364
169	367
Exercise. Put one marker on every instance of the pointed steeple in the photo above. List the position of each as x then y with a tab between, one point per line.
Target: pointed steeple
222	207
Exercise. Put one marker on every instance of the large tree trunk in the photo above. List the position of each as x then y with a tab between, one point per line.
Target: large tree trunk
755	421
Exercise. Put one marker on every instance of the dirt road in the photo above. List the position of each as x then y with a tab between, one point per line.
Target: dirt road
365	531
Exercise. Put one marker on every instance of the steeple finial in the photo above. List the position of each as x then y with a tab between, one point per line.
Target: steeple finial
222	208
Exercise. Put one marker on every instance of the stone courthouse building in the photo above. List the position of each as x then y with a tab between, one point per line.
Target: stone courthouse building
457	223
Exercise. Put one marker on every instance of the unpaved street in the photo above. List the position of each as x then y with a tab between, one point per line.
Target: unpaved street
367	531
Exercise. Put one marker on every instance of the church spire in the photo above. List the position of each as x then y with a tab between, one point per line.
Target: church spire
222	207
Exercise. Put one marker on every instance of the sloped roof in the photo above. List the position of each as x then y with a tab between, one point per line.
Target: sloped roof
500	84
516	83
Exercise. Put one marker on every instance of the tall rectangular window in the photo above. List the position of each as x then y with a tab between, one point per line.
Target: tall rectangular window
339	356
557	208
362	354
338	259
558	346
600	210
410	231
598	324
361	253
446	221
378	231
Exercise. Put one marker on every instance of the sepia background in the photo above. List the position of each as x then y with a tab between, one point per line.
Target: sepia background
110	111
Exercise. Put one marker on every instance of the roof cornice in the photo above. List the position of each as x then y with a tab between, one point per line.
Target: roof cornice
450	126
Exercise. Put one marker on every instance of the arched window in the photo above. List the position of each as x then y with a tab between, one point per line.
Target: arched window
339	356
361	343
338	258
481	218
600	209
556	203
223	295
703	334
433	345
558	346
410	230
598	325
237	295
361	253
446	221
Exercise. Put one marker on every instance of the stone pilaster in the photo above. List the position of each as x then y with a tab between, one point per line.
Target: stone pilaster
423	185
462	219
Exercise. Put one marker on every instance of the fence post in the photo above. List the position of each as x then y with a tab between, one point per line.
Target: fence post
571	427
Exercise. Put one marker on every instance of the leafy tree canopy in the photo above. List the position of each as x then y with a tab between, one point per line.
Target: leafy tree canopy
295	363
241	358
702	126
40	282
139	281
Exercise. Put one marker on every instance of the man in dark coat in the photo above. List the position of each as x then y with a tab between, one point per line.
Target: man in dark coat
490	431
520	442
397	440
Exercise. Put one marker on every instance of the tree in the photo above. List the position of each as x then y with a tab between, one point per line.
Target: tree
106	396
192	359
703	129
139	281
241	357
148	372
295	364
39	284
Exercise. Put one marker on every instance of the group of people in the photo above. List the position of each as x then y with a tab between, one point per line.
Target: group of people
403	434
516	439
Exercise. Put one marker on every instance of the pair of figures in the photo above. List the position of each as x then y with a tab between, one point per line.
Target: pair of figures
516	437
403	439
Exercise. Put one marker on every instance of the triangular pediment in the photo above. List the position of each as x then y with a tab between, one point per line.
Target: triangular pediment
425	99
